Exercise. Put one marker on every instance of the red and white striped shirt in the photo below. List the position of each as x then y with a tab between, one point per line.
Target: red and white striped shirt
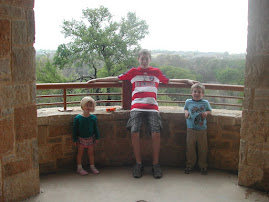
145	83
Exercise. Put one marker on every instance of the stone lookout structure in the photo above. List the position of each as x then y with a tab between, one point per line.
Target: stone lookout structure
27	142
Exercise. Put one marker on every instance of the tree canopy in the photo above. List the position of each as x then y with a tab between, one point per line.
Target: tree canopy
98	41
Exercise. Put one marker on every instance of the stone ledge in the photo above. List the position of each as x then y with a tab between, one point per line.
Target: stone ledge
102	110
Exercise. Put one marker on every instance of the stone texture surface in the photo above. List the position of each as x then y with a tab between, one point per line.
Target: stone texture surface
19	164
7	96
5	37
26	123
24	3
19	32
1	183
253	167
23	64
5	71
6	135
22	185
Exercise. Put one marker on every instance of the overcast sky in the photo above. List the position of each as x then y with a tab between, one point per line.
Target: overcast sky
175	25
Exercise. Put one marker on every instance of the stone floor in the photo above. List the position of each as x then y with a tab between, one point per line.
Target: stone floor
118	185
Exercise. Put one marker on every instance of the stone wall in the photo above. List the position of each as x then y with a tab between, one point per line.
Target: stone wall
254	153
19	173
57	152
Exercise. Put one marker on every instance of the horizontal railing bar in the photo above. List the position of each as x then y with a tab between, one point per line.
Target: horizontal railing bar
224	87
212	103
79	94
46	86
54	103
97	101
207	86
164	101
43	96
218	96
229	97
77	102
223	104
100	94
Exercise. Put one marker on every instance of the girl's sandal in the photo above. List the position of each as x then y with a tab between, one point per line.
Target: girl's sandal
82	172
94	171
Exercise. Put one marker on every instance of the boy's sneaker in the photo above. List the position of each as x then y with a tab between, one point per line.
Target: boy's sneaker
138	170
204	171
187	170
157	171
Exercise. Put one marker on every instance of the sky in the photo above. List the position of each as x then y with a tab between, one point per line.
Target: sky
174	25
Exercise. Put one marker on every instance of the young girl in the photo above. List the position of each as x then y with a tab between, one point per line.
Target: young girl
86	133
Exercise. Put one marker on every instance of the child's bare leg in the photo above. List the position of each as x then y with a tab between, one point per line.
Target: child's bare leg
156	139
136	146
91	158
80	154
91	155
80	170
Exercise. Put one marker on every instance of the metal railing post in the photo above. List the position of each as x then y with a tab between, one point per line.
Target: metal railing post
64	94
65	102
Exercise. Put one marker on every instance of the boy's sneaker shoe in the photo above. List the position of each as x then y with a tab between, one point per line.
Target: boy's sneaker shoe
138	170
204	171
187	170
82	172
157	171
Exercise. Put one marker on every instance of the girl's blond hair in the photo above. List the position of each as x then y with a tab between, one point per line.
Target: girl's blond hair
87	99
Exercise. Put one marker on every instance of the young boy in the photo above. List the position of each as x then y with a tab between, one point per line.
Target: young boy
196	111
145	81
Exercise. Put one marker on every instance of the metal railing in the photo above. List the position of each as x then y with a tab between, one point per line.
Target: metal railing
126	92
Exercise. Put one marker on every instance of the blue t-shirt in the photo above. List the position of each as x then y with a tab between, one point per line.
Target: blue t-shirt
196	108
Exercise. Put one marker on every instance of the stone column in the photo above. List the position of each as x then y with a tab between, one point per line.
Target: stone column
19	171
254	143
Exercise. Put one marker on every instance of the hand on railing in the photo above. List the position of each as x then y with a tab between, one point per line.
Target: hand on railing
191	82
187	81
91	81
105	79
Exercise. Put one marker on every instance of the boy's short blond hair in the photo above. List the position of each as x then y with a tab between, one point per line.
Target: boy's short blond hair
87	99
198	85
144	52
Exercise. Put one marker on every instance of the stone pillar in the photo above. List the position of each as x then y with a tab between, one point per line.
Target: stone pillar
254	143
19	171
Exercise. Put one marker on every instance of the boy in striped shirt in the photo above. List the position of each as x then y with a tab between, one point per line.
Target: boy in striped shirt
145	82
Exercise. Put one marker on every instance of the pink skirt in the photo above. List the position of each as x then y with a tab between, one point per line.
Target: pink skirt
86	142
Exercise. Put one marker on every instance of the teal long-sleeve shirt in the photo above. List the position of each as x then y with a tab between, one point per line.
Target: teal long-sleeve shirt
85	127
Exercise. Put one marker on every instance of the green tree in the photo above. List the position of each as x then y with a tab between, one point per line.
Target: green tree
230	76
99	42
46	72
